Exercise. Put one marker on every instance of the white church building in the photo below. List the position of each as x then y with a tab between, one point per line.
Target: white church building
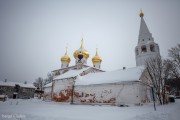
83	84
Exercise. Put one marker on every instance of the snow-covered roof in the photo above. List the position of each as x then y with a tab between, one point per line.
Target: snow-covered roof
130	74
48	85
64	68
2	83
70	73
76	66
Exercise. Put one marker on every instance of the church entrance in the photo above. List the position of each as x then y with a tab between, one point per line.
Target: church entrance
14	95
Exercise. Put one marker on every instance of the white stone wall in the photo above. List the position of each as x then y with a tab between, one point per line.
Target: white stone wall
47	93
62	90
115	94
64	64
97	65
83	61
141	57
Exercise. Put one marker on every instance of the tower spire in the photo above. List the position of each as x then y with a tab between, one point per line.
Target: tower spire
66	49
82	41
97	52
144	33
141	14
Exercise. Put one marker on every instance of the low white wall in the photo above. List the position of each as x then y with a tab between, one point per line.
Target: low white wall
47	93
62	90
115	94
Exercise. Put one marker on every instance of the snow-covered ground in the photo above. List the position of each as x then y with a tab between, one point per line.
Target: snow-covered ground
35	109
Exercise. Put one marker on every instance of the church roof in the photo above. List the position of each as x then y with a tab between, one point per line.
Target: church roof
143	27
130	74
144	33
48	85
70	73
12	84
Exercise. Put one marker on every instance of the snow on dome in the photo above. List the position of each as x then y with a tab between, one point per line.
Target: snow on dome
130	74
70	73
2	83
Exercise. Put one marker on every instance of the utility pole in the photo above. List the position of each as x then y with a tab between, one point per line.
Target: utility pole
72	93
153	98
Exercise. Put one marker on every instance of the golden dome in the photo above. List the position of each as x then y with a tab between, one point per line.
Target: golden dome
82	51
96	58
65	58
141	14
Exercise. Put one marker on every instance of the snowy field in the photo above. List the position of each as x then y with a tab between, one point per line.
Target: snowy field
35	109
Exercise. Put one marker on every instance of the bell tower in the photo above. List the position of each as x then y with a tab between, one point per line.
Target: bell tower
146	47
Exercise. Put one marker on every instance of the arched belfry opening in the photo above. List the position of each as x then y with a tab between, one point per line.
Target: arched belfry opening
152	48
143	49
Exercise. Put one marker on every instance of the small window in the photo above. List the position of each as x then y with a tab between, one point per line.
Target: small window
94	65
82	94
149	38
152	48
142	39
143	49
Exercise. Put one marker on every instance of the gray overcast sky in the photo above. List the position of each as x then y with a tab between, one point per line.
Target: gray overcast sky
34	33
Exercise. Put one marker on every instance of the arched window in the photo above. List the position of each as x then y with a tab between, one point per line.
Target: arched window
143	49
137	53
152	49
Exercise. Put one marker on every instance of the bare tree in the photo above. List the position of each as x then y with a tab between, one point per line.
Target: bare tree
49	78
174	53
157	72
174	61
39	83
25	82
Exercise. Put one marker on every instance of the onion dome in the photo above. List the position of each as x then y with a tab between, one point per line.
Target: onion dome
141	14
82	51
96	58
65	58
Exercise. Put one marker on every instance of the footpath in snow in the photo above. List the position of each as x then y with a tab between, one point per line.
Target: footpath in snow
34	109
